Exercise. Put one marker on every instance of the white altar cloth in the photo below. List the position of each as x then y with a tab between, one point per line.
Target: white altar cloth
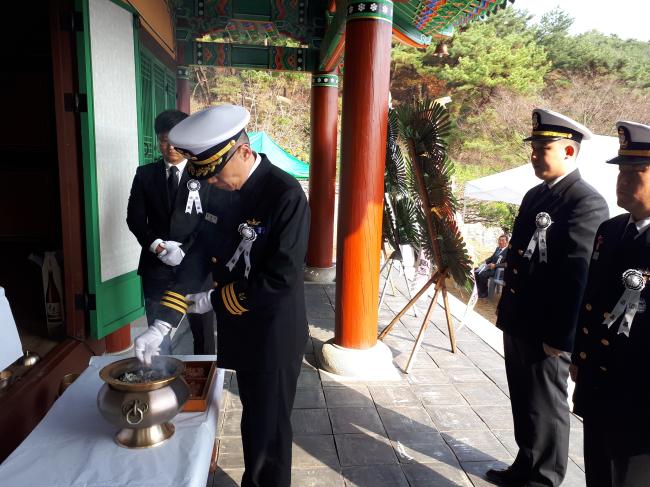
73	445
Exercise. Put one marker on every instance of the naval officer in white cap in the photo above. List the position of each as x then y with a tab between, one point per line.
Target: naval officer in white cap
255	246
545	276
610	359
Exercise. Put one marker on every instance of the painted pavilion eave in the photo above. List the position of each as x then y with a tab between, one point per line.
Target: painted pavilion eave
254	34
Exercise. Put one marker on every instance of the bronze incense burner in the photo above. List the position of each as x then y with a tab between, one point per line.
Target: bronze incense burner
141	401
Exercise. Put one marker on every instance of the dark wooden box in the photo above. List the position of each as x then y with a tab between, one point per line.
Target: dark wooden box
200	377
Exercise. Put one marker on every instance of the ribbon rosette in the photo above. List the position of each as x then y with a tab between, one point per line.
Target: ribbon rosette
193	198
542	221
628	303
248	236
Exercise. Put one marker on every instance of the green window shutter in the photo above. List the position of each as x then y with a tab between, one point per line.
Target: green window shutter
148	135
170	89
160	98
158	88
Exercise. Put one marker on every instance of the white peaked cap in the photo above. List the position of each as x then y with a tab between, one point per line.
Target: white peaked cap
634	144
550	125
209	127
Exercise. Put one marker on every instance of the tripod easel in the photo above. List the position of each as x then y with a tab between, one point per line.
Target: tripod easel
395	256
438	279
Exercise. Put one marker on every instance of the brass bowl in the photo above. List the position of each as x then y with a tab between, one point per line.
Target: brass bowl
142	411
5	379
66	382
170	367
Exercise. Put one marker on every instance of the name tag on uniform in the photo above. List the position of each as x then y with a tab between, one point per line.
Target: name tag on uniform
211	218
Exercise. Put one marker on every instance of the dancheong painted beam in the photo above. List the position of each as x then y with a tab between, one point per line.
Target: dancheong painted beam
261	33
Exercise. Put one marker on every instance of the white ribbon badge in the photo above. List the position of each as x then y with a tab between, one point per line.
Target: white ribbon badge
628	304
542	221
193	198
248	236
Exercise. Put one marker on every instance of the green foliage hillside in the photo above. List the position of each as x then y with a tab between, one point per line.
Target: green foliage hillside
278	102
501	68
498	70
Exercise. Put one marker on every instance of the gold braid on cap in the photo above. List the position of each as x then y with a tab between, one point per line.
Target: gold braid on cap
546	133
634	153
206	166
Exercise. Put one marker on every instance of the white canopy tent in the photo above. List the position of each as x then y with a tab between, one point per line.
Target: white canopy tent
510	186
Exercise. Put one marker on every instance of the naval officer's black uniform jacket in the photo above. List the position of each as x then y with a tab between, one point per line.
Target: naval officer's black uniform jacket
540	301
539	304
151	215
261	319
612	386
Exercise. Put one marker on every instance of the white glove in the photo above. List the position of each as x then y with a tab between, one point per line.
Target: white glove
163	244
147	345
154	245
173	254
201	302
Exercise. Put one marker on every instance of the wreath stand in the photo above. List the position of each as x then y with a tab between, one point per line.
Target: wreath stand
439	277
439	281
391	260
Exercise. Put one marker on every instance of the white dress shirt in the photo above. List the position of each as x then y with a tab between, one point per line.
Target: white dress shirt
180	166
641	225
258	159
550	184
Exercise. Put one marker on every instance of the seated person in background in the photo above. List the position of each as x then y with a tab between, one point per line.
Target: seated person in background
489	267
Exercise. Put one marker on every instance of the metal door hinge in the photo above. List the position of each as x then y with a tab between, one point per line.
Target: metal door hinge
85	302
75	102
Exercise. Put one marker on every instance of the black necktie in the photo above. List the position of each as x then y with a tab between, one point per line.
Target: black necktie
630	233
542	190
172	185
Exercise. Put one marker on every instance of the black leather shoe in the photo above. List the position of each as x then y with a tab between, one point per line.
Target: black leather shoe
507	477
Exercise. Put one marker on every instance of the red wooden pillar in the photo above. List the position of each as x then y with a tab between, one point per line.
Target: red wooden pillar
182	77
182	89
119	340
361	185
322	175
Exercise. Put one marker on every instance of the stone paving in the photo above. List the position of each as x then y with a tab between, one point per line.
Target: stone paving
444	424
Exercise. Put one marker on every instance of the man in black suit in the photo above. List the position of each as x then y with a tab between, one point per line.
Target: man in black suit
256	255
610	361
496	261
545	276
158	216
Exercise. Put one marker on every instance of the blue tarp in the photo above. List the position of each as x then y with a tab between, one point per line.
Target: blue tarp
261	142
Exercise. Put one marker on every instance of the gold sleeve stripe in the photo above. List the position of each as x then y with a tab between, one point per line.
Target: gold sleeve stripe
228	304
631	152
174	295
174	307
547	133
230	289
232	302
177	302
